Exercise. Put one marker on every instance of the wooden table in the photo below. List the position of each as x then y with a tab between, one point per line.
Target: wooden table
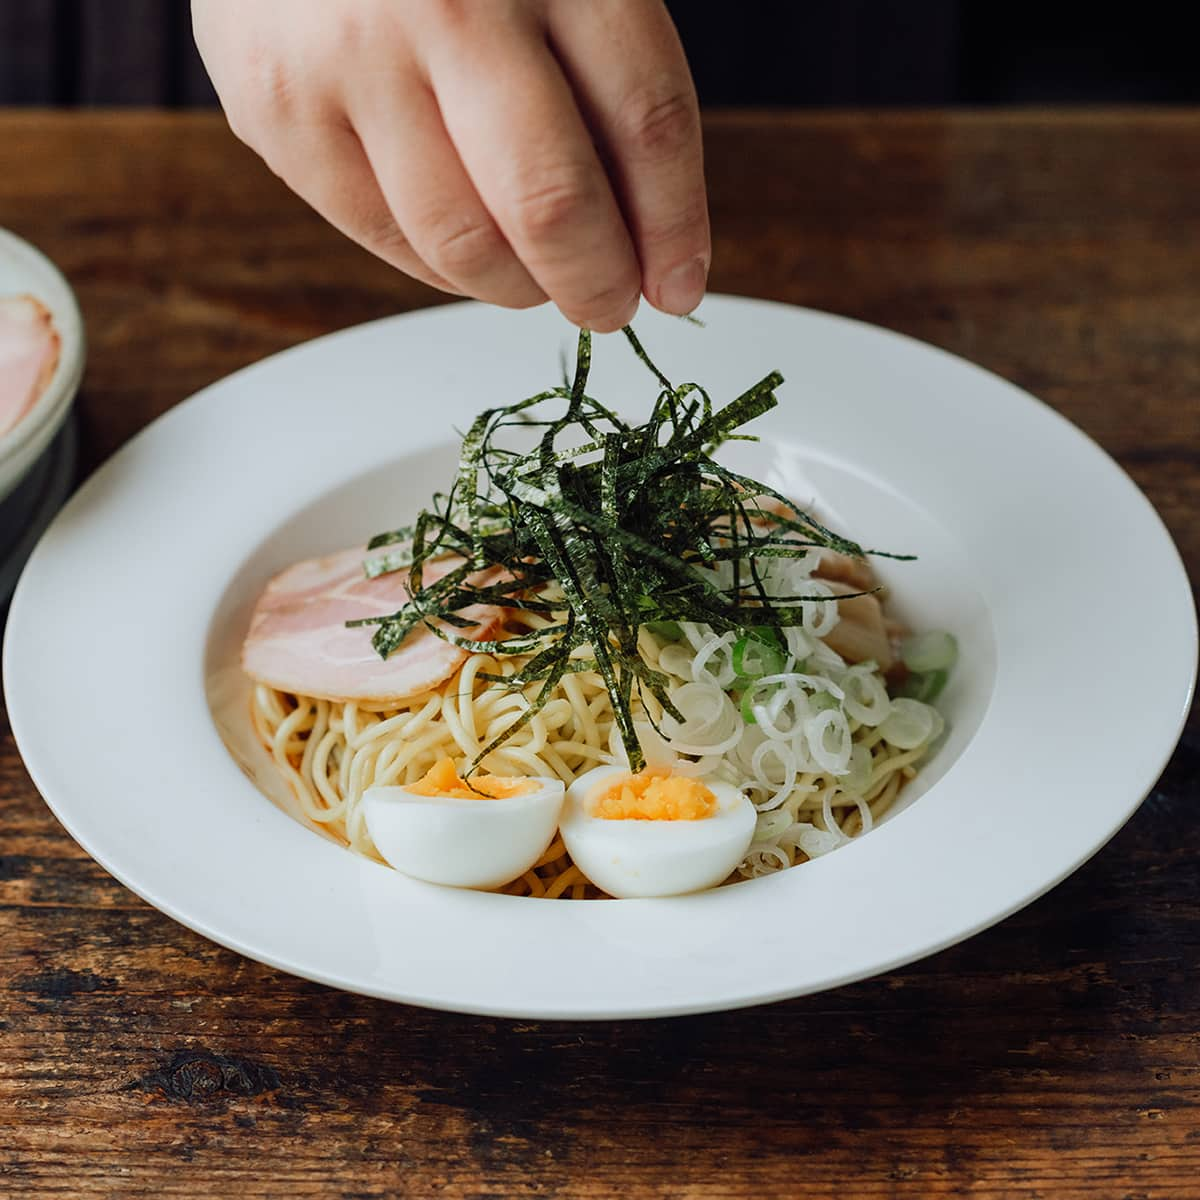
1057	1055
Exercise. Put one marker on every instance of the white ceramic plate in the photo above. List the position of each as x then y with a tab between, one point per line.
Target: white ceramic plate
29	508
1073	611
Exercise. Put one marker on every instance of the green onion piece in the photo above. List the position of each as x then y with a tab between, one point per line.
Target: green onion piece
933	651
765	659
669	631
769	635
822	700
763	694
925	686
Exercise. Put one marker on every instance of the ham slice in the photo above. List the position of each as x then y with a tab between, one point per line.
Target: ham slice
298	641
853	571
856	572
29	349
861	632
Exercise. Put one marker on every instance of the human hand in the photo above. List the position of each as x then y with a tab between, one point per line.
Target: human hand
511	150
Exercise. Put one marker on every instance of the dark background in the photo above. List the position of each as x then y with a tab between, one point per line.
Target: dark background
743	52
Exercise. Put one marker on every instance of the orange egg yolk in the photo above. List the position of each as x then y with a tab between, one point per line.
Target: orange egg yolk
655	796
443	780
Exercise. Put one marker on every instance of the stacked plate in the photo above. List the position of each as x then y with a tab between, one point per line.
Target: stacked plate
37	455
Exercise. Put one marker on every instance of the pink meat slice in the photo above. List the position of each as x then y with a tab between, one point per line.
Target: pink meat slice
298	641
29	349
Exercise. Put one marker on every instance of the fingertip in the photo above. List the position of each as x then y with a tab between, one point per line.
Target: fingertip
682	288
532	297
610	322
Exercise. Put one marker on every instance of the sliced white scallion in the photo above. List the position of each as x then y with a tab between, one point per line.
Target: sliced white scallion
800	645
764	860
676	659
718	651
709	726
865	815
813	841
771	826
780	781
829	740
866	697
820	613
831	825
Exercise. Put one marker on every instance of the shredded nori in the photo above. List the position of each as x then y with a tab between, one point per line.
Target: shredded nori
602	528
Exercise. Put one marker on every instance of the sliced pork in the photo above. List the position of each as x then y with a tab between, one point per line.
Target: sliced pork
298	641
861	632
29	350
856	572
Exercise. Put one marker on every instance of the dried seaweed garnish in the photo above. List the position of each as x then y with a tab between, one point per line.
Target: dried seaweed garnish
601	527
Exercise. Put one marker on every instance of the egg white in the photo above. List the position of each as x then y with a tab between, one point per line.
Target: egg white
462	842
631	858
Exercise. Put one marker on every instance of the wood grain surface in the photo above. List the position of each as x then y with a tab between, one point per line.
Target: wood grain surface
1055	1056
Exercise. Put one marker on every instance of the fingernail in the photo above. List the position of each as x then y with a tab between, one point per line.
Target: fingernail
683	287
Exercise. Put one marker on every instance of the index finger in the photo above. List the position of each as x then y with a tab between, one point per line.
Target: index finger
639	99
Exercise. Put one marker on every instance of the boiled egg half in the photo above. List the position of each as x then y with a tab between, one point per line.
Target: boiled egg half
657	833
481	833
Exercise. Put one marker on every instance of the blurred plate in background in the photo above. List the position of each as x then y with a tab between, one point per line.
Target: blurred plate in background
37	456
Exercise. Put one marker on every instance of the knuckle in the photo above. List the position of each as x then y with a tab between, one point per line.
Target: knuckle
661	124
687	227
454	14
262	103
271	83
355	32
469	249
459	17
352	30
259	103
385	238
549	209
